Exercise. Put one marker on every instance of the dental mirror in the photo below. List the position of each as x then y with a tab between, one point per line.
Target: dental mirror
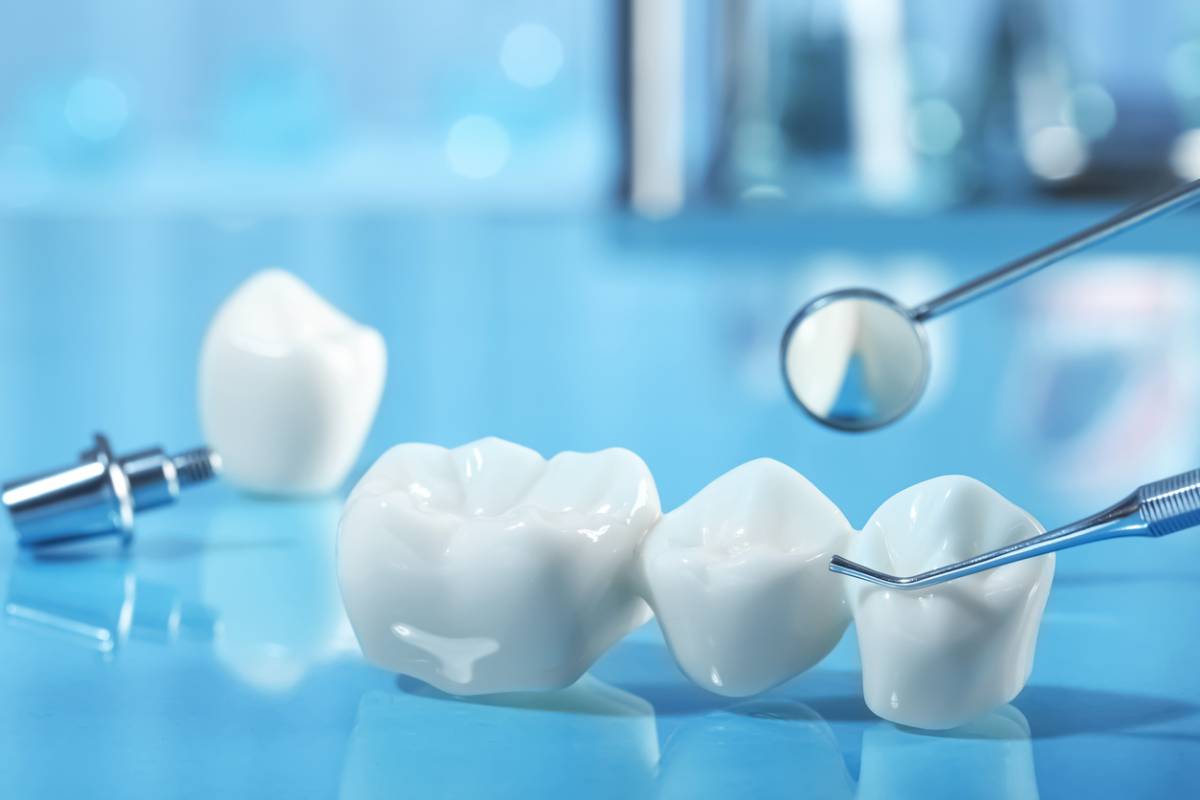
857	360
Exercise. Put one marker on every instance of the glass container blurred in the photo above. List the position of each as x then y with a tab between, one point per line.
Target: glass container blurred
914	105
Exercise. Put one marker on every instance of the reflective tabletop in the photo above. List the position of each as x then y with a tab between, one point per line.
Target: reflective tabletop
211	657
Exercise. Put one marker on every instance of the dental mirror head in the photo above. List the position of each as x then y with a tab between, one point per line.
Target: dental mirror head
855	359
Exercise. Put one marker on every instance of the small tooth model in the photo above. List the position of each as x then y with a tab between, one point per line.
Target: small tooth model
939	657
739	581
487	569
288	386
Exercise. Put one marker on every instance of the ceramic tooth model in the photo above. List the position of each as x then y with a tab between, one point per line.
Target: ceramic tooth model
288	386
738	578
942	656
487	568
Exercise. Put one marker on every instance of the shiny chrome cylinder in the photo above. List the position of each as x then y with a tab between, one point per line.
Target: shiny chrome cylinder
152	478
99	495
86	500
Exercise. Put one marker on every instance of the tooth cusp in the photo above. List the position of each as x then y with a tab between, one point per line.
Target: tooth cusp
487	569
943	656
737	578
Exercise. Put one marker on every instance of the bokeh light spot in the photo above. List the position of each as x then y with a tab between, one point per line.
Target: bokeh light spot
1185	155
96	109
531	55
1091	109
477	147
1056	153
935	127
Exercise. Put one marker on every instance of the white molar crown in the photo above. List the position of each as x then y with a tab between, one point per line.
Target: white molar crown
738	578
488	569
288	386
942	656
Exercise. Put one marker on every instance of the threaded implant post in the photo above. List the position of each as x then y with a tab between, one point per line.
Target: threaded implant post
196	466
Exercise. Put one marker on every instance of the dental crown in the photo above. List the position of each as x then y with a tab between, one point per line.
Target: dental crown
487	568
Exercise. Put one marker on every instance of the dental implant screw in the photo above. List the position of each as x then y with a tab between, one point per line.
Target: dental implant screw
99	495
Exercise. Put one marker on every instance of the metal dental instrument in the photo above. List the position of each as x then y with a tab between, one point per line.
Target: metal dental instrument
1156	509
857	360
99	495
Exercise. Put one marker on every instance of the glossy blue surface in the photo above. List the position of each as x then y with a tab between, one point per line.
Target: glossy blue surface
212	657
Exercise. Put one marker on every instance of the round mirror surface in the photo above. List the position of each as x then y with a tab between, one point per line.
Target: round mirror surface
855	360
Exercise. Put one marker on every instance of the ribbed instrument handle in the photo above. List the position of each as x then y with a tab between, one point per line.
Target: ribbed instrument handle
1171	504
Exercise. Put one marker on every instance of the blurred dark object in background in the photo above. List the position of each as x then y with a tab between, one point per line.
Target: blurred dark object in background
539	106
922	104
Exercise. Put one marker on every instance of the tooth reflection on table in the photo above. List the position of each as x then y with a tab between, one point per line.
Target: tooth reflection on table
755	749
268	568
589	740
101	605
990	758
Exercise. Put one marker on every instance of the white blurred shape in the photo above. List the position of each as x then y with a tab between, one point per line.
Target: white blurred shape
96	108
879	98
477	147
531	55
656	101
1056	152
1185	154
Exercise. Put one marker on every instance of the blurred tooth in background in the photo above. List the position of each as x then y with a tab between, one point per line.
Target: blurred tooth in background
487	568
940	657
738	577
288	387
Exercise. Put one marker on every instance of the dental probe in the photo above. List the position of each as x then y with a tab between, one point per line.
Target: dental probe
1156	509
100	494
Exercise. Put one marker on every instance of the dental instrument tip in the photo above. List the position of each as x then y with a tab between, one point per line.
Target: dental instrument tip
844	566
1155	509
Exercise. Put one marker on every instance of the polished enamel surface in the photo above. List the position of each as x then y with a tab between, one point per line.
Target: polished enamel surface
234	673
944	656
739	581
487	568
288	386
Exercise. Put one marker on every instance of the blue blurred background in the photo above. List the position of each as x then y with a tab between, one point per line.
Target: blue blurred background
581	225
537	106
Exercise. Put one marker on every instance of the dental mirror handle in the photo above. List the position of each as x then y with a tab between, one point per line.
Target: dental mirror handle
1166	203
1156	509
